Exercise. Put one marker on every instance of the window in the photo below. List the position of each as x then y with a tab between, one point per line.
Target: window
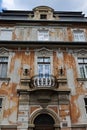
3	67
6	34
0	103
44	67
43	35
79	35
43	16
83	67
85	100
1	107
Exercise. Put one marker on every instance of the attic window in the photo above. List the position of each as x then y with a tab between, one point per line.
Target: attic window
43	16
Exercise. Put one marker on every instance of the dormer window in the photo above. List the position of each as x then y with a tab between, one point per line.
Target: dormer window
43	16
43	13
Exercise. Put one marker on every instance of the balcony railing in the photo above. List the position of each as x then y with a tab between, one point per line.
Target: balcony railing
49	81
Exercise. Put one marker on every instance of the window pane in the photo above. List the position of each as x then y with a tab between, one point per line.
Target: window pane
47	70
40	69
80	60
44	59
40	59
85	60
3	66
43	16
4	70
47	59
82	72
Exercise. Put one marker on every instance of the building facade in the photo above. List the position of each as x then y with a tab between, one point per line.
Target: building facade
43	70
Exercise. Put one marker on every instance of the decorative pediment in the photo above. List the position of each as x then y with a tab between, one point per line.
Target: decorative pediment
44	51
81	52
43	8
43	12
4	50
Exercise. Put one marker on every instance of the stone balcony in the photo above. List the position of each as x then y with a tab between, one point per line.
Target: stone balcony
45	90
43	81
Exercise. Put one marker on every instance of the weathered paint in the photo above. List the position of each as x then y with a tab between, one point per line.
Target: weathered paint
61	58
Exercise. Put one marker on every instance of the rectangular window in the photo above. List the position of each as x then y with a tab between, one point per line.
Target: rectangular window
44	67
43	35
6	34
43	16
78	35
83	67
3	67
85	100
0	103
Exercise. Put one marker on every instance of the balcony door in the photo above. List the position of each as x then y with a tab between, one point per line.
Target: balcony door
44	67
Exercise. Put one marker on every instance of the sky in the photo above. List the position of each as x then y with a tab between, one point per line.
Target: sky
57	5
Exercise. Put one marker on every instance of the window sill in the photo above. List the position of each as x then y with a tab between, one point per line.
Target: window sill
81	79
5	79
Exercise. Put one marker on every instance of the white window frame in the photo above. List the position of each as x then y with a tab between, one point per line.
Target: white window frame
43	35
79	35
3	61
44	75
41	53
43	63
82	62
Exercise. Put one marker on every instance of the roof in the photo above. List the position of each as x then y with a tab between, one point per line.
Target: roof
27	15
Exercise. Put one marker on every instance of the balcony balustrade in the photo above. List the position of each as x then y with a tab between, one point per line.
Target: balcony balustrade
43	81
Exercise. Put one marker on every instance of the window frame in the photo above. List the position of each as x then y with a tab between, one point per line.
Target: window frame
44	52
5	38
43	16
79	35
1	66
44	62
2	106
82	63
85	101
42	34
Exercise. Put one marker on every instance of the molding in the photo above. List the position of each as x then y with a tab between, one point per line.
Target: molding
8	126
79	125
44	49
81	52
81	79
4	50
